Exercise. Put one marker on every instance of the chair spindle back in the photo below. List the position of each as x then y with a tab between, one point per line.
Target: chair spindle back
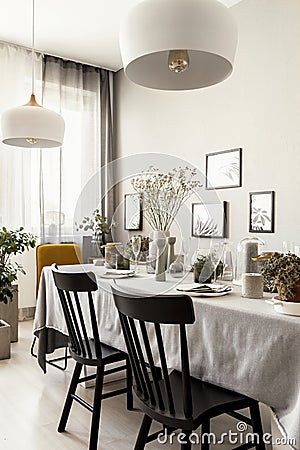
74	290
143	320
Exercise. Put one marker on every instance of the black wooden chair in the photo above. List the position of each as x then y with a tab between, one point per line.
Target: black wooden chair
174	399
85	347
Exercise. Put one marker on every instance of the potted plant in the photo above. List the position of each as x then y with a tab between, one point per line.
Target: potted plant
204	269
281	272
4	340
100	227
12	242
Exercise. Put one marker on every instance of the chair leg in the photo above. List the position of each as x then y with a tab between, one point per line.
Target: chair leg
32	348
129	386
52	361
257	426
143	433
61	358
187	445
205	430
69	398
96	410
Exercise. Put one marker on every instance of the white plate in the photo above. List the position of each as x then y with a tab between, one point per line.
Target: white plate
111	274
207	294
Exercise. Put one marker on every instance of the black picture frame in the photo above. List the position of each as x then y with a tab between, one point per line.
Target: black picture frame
223	169
209	220
133	218
261	211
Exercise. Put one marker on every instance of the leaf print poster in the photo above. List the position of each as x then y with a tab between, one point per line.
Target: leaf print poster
262	212
223	169
209	220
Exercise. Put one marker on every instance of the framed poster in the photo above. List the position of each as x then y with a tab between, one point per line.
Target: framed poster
261	215
132	212
224	169
209	220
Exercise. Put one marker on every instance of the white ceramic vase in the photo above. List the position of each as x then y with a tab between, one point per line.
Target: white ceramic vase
154	236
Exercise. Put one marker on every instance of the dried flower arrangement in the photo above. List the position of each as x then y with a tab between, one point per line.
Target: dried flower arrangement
282	272
164	193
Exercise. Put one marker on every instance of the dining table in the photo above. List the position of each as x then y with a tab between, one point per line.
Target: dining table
239	343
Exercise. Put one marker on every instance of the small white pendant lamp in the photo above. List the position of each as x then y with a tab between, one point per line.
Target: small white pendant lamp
31	125
178	44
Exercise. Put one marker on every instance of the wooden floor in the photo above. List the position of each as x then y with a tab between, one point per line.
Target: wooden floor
31	402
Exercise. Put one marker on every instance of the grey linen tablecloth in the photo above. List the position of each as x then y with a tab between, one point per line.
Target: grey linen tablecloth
240	344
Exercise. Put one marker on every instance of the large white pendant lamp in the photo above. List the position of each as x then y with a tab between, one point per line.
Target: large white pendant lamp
178	44
31	125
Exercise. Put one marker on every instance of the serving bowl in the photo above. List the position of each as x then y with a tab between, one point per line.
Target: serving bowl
290	308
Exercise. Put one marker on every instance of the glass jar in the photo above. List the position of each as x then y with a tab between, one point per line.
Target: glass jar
150	264
246	250
115	256
227	260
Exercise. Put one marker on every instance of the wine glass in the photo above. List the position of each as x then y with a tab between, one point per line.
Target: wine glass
186	247
216	251
136	247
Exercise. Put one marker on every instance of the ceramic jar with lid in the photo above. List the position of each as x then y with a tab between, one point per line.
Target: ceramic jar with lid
246	250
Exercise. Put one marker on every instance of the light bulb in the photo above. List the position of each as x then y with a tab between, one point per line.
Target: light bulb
178	61
32	140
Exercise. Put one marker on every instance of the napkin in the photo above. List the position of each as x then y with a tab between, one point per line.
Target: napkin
203	288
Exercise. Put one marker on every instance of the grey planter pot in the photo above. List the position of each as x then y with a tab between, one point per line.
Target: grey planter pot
4	340
9	313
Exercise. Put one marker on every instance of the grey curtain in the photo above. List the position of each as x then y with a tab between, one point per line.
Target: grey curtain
83	95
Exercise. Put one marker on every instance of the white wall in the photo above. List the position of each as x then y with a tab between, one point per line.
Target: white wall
257	108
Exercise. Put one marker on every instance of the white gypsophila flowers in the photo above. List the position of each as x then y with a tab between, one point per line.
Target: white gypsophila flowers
163	194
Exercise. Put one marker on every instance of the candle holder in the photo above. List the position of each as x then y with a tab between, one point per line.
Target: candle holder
252	285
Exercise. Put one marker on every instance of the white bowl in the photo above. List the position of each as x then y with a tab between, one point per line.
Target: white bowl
290	308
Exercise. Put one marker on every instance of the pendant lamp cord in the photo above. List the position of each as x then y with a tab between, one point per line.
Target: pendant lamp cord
32	50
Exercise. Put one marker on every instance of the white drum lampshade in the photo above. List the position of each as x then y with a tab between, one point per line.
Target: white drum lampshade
32	126
178	44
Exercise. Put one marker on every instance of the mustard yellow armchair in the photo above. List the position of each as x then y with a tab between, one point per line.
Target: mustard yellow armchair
47	254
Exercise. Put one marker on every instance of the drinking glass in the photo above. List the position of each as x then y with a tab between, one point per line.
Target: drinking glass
216	251
287	246
227	273
186	247
297	249
136	247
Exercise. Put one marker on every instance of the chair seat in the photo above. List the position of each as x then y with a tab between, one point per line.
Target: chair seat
109	355
208	401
